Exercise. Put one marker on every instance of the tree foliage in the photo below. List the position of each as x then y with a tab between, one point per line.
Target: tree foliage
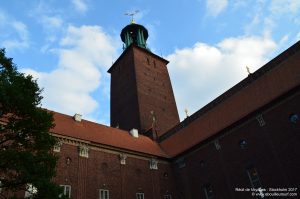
25	141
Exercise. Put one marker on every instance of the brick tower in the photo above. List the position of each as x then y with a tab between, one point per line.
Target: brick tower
141	90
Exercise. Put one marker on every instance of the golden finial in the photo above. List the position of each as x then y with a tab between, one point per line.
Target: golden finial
186	112
132	14
248	70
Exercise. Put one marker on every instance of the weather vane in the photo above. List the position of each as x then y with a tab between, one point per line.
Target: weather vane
132	14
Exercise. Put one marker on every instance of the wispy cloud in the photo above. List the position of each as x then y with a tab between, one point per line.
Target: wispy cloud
278	7
80	5
13	33
84	55
215	7
51	21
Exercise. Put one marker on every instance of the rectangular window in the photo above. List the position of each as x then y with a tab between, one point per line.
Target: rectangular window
0	187
66	190
253	177
168	196
208	191
139	195
104	194
30	191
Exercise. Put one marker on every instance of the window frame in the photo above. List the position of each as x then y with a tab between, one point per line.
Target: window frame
254	179
65	186
104	191
208	191
140	195
167	196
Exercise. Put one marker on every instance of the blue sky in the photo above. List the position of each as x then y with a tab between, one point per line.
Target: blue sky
69	45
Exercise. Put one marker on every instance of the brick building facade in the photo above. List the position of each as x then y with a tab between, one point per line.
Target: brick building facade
246	138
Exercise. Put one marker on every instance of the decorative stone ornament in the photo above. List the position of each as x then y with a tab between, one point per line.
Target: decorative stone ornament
123	158
83	151
57	146
153	164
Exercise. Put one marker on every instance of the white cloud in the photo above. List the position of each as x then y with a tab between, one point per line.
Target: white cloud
215	7
13	33
201	73
51	21
80	5
284	7
85	53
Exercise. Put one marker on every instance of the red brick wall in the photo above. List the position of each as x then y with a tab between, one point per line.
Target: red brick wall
102	170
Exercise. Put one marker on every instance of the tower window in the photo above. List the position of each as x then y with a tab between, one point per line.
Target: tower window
154	64
168	196
66	190
208	191
294	118
148	61
104	194
139	195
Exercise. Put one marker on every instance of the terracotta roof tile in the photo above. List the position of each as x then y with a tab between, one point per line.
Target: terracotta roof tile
89	131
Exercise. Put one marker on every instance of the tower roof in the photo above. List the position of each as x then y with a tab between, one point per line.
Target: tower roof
134	33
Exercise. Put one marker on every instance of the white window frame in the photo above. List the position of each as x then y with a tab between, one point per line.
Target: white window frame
105	194
30	191
65	190
167	196
140	195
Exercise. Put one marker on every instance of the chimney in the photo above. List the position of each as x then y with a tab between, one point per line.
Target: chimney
77	117
134	133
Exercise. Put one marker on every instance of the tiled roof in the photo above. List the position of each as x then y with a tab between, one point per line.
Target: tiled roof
100	134
268	83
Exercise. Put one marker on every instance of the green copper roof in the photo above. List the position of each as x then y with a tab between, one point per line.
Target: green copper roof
136	34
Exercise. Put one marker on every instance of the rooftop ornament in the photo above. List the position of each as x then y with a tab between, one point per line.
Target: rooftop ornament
132	14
